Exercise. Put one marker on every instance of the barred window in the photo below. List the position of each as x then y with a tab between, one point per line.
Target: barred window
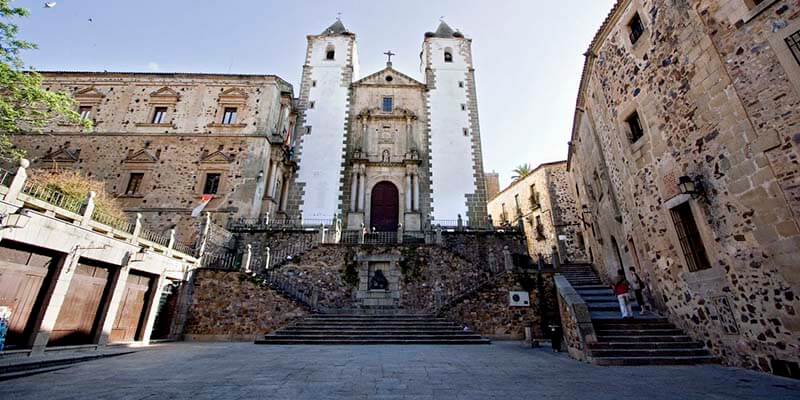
689	238
793	41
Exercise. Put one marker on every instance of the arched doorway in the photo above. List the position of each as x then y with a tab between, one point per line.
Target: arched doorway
384	207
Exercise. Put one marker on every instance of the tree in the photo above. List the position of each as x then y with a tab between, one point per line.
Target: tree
25	106
521	171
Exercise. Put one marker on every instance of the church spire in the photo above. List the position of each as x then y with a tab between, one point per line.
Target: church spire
444	31
337	28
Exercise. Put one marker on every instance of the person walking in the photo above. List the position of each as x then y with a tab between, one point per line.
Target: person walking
638	287
621	289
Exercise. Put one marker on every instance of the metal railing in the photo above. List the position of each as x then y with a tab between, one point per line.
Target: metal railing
225	261
114	222
154	237
380	238
56	198
184	248
284	255
278	223
280	283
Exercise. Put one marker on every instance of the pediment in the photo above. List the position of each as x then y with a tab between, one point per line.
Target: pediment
61	155
233	94
376	112
395	78
143	156
89	92
215	157
165	93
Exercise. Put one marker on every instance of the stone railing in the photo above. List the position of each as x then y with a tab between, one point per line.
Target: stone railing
31	195
576	320
278	223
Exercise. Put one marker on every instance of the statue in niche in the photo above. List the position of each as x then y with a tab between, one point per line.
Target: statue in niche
378	281
386	156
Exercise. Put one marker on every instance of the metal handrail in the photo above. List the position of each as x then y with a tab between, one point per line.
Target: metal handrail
154	237
6	177
51	196
114	222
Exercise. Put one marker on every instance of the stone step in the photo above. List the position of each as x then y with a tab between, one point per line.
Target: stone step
645	338
617	326
282	341
666	360
637	332
609	307
593	288
378	326
599	316
293	331
643	345
649	319
654	352
381	336
371	316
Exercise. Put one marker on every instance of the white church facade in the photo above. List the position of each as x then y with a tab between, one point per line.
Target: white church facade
387	150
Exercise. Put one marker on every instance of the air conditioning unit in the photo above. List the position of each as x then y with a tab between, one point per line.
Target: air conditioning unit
519	299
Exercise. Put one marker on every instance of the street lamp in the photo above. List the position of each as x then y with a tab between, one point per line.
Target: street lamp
692	186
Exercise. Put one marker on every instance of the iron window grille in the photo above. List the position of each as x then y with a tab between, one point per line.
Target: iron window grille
212	184
689	238
134	183
159	115
793	41
637	28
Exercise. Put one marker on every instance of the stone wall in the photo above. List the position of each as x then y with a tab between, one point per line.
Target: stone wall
176	155
716	95
488	312
229	305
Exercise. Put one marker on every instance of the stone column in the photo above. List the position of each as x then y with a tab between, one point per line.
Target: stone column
118	291
365	136
285	193
409	136
362	197
415	205
272	178
409	190
89	209
46	320
354	190
152	309
16	185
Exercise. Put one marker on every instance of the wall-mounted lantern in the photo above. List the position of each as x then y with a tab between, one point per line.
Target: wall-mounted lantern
19	219
692	186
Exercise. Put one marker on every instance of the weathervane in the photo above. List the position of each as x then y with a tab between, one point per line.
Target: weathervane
338	16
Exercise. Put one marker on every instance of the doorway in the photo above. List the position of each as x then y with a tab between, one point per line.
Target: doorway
384	207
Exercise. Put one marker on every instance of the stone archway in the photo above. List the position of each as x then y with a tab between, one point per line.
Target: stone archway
384	207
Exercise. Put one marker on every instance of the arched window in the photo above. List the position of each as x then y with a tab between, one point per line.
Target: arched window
330	52
448	55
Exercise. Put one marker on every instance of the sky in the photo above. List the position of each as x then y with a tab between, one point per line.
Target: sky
527	54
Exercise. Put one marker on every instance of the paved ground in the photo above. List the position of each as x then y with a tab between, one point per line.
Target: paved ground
503	370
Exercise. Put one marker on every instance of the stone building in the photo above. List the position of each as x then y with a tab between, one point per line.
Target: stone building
543	203
386	149
685	152
492	184
163	141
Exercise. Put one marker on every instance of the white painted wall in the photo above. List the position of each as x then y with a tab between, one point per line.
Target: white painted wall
322	150
451	151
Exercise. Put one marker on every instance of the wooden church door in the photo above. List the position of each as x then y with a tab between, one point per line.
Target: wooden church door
384	207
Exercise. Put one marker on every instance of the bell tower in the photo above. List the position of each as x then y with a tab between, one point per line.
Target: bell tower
330	65
457	183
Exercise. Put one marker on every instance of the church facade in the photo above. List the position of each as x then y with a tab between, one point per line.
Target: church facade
386	150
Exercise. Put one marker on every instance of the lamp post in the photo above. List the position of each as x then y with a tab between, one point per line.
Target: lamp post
694	187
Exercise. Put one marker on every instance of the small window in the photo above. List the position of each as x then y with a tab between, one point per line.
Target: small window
689	238
313	83
793	41
229	116
330	53
635	127
134	183
461	84
387	104
159	115
516	203
466	132
212	184
85	112
753	3
448	56
463	107
636	27
310	104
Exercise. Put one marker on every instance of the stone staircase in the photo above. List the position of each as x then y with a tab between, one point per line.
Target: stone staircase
373	329
644	340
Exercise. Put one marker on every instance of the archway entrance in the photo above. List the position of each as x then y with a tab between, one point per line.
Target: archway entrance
384	207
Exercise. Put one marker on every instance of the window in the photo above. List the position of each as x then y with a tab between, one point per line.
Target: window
134	183
793	41
753	3
159	115
387	104
636	27
503	214
461	84
463	107
516	203
635	126
448	56
311	104
313	83
212	183
229	116
534	198
330	53
689	238
466	132
539	228
85	112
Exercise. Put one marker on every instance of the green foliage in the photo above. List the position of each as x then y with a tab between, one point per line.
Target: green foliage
521	171
25	106
350	272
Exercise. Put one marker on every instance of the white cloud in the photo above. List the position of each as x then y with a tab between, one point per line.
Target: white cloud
153	66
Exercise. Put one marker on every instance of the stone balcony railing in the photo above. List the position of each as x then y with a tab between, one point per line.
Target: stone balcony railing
16	189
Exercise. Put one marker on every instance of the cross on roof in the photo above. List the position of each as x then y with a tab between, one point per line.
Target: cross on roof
389	54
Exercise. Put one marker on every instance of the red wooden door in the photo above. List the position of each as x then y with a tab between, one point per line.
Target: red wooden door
384	207
77	318
22	275
130	314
